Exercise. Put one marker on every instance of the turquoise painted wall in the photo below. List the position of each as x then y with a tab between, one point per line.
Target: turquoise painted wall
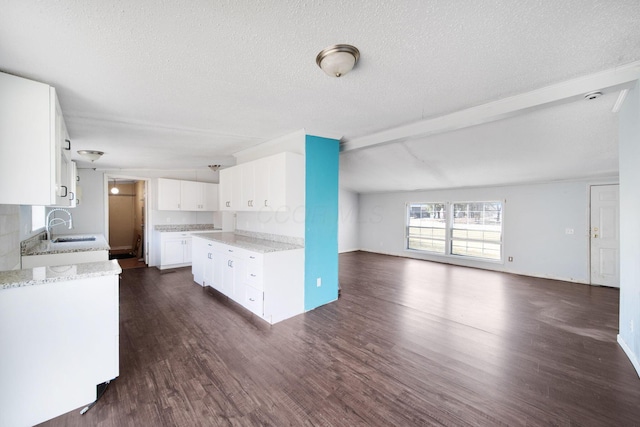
321	221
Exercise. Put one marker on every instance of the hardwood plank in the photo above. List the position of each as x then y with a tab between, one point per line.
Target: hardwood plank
409	342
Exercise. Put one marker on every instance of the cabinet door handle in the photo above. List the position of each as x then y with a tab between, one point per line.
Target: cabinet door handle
251	299
230	250
253	275
73	196
66	191
265	204
68	147
252	257
209	255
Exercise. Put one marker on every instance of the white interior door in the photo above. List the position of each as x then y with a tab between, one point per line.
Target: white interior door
605	235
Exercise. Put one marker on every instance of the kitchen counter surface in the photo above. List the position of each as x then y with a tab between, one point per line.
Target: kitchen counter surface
47	247
186	227
251	243
42	275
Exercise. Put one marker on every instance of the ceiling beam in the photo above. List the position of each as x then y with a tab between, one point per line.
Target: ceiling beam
606	81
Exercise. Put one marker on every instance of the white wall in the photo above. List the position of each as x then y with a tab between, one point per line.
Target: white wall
629	143
534	223
88	216
348	221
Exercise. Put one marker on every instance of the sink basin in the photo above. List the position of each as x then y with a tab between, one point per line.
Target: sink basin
74	239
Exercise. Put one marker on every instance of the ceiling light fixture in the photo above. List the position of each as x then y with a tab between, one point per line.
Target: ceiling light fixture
215	168
338	60
114	189
91	155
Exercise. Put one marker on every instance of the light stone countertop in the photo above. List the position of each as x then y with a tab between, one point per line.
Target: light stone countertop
250	243
58	273
47	247
185	227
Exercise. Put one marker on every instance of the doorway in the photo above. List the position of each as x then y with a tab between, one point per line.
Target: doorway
126	213
605	235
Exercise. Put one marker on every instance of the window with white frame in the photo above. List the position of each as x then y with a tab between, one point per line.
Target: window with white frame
470	229
476	230
426	230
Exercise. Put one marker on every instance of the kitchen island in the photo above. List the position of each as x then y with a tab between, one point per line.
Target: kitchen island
60	338
264	273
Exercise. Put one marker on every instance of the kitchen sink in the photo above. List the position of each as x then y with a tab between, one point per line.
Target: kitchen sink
74	239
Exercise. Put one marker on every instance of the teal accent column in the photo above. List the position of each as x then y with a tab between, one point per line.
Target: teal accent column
321	221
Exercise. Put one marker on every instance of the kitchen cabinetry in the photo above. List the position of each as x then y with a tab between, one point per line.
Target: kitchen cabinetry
35	148
271	183
59	341
270	285
175	249
230	189
178	195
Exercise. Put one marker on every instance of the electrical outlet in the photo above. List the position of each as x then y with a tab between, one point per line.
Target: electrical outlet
568	231
319	281
510	259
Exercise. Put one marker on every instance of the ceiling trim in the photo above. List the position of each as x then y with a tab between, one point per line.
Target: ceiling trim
606	81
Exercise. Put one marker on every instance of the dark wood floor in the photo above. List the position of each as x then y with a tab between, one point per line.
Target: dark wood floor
408	343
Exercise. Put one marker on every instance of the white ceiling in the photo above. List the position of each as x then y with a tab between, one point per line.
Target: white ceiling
184	84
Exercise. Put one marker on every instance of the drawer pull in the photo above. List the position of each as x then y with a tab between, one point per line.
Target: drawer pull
251	299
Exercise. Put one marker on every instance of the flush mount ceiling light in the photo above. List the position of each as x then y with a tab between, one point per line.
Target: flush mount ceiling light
215	168
91	155
338	60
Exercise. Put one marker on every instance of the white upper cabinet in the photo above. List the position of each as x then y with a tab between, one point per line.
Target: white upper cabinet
169	194
177	195
271	183
230	189
35	150
198	196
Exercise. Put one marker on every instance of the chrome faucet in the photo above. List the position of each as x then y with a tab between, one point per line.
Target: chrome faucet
56	221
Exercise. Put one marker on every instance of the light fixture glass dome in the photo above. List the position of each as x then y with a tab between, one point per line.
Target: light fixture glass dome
91	155
337	60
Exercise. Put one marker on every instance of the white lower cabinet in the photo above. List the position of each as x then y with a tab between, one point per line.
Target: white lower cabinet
176	248
253	300
270	285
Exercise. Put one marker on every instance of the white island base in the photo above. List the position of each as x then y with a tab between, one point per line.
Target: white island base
59	341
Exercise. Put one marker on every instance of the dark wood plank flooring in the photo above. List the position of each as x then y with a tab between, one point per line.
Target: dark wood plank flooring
408	343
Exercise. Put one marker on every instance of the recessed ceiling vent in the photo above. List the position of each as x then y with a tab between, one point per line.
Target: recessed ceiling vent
593	95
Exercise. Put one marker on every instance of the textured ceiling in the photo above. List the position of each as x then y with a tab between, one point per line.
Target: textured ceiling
182	84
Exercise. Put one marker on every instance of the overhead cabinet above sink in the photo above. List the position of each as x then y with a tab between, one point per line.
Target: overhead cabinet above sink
35	149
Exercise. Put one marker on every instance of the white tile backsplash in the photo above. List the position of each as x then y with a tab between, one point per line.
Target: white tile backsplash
9	237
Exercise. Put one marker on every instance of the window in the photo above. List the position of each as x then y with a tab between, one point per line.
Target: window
427	229
471	229
476	229
37	217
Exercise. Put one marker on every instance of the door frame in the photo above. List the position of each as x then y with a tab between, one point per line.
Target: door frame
147	234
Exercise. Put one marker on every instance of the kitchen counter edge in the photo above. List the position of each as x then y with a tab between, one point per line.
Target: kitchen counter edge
58	273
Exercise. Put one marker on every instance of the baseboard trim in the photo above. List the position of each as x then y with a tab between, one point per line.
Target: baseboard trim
632	357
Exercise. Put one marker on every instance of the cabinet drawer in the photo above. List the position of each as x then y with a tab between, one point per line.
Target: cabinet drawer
253	300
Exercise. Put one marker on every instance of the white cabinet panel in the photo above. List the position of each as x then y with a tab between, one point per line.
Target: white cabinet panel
178	195
272	183
175	249
33	138
168	194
